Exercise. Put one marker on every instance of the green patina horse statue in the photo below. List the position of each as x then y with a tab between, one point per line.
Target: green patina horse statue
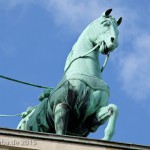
79	103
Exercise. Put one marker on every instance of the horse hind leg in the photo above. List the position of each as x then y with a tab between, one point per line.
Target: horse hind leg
61	118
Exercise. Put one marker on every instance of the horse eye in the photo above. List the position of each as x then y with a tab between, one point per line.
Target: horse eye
107	23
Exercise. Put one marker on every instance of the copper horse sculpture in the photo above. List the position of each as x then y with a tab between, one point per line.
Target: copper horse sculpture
79	103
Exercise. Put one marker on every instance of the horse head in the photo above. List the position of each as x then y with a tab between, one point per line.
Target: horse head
104	31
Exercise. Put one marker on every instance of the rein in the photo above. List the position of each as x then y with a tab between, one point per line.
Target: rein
16	115
105	62
26	83
45	87
22	115
81	56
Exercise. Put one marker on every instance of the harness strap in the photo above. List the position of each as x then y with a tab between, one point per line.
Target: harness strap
92	81
105	62
50	88
81	56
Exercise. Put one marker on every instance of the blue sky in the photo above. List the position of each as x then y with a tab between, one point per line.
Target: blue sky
36	37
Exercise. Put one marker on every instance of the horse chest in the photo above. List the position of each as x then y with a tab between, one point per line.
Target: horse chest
88	65
87	103
93	103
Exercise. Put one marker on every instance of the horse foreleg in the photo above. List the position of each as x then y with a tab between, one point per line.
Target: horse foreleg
61	118
109	113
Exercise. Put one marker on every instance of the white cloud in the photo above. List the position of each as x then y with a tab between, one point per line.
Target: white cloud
77	14
134	69
71	13
133	57
11	4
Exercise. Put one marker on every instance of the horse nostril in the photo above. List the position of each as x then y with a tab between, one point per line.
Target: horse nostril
112	39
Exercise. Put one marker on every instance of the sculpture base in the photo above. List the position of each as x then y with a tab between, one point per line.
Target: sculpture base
25	140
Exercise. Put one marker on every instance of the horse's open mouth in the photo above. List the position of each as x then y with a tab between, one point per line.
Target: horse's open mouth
104	49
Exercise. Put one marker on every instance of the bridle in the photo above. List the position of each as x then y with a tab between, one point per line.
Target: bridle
85	54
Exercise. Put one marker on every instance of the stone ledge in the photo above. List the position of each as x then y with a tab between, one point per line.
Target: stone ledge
11	139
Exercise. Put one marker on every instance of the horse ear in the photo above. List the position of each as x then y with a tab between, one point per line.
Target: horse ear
107	12
119	21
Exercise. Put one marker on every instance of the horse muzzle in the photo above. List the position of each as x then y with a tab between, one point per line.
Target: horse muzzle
104	49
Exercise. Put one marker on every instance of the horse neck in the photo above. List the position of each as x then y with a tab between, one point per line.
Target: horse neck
90	65
83	44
